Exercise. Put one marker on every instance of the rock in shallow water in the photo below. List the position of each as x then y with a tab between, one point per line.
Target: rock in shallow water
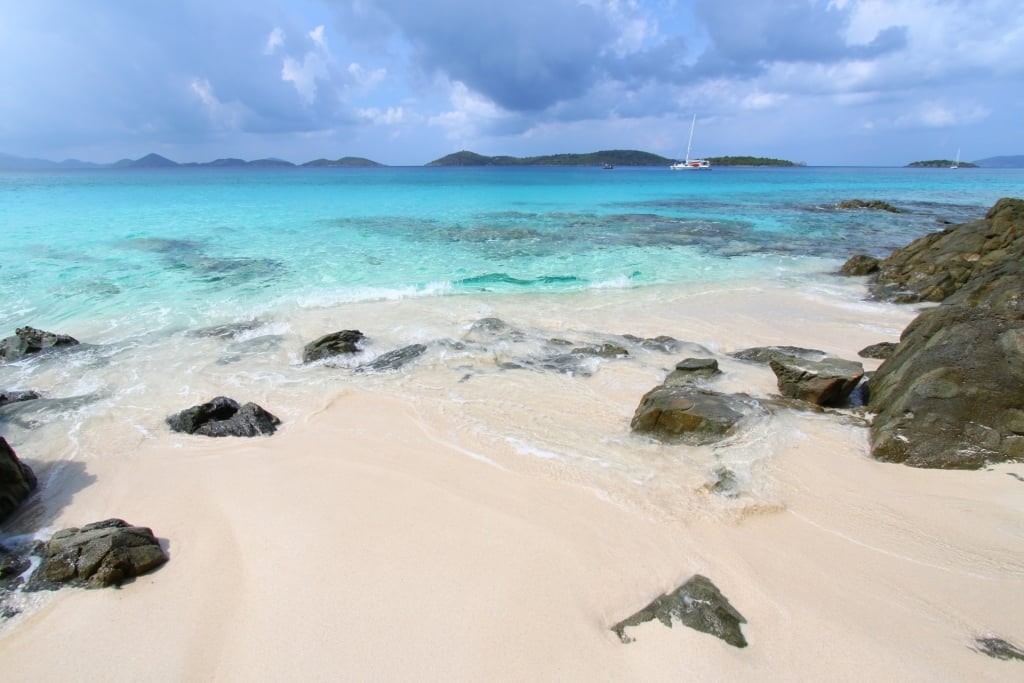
825	383
683	413
100	554
223	416
333	344
17	481
28	340
698	604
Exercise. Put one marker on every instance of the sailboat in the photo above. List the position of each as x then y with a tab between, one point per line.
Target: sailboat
956	164
691	164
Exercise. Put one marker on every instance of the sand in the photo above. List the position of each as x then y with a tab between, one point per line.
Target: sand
433	529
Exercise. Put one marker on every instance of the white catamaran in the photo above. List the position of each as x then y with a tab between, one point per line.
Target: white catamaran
691	164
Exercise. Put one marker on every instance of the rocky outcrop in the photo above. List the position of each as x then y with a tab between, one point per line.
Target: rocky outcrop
826	382
869	204
950	396
28	340
17	481
97	555
333	344
861	264
937	265
686	414
697	604
223	416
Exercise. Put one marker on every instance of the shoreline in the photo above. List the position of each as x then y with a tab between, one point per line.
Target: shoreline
401	527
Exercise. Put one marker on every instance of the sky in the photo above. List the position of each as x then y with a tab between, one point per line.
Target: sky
403	82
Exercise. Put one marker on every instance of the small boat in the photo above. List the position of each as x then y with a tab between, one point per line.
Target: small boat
956	164
606	166
691	164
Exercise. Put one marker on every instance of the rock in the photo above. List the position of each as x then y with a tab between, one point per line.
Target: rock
28	340
97	555
224	417
725	484
662	342
826	382
861	264
764	354
231	330
935	266
333	344
17	396
687	414
872	204
692	370
950	396
491	329
393	360
605	350
698	604
17	481
879	351
997	648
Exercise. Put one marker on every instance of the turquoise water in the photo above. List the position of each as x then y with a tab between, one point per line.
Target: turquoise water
200	245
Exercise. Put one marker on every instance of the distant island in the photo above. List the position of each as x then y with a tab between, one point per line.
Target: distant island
1013	161
8	162
752	161
613	157
941	163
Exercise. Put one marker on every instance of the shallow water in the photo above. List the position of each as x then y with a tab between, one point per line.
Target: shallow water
133	264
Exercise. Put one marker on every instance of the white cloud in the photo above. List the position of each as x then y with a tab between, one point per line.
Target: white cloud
392	116
274	41
366	78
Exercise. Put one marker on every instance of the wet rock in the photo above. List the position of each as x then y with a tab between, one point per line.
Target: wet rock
764	354
230	330
223	416
997	648
692	370
17	481
879	351
697	604
826	382
688	415
491	329
861	264
725	483
950	396
935	266
333	344
662	342
870	204
605	350
17	396
28	340
393	360
97	555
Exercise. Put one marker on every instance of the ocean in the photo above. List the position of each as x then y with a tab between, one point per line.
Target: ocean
139	265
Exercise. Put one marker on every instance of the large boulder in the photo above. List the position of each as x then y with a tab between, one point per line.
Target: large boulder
951	394
17	481
935	266
333	344
223	416
685	414
100	554
28	340
698	604
825	382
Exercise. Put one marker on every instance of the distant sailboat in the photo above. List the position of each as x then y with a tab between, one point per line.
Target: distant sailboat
956	164
691	164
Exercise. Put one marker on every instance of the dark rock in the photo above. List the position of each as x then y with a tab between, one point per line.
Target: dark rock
935	266
28	340
725	484
698	604
394	360
764	354
950	396
491	329
333	344
687	414
231	330
861	264
998	648
872	205
97	555
826	382
879	351
692	370
224	417
605	350
662	342
17	481
17	396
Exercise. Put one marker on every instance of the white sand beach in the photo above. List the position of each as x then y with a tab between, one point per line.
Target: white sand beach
461	525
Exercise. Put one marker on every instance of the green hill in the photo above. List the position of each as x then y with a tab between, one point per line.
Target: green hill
615	157
343	162
750	161
1013	161
939	163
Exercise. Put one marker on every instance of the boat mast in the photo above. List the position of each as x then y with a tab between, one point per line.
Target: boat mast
688	144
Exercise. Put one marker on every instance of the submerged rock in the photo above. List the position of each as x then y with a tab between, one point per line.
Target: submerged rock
697	604
230	330
17	481
223	416
870	204
28	340
393	360
333	344
17	396
826	382
100	554
491	329
997	648
689	415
